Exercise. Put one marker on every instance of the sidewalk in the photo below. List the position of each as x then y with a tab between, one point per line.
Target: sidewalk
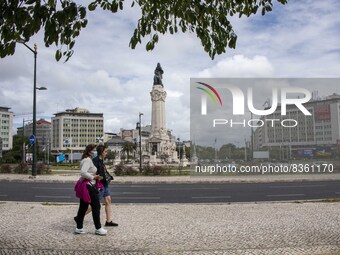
231	229
235	229
72	176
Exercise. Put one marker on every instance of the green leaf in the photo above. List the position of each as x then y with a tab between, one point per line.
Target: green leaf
150	46
58	55
72	44
30	1
155	38
92	6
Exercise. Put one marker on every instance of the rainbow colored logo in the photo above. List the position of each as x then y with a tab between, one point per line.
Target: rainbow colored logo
209	92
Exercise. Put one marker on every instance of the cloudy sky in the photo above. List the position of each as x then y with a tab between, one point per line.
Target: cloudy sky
300	39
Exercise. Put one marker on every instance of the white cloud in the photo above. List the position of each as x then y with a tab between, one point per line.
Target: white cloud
239	66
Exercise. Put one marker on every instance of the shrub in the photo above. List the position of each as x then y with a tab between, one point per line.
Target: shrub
155	170
122	169
43	169
22	168
119	169
131	171
5	169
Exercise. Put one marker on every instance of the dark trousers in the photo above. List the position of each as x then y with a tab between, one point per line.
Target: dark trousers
95	209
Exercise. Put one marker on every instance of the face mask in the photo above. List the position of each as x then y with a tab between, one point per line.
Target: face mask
94	154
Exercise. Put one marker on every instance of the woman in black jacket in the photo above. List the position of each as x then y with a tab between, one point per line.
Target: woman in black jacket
105	192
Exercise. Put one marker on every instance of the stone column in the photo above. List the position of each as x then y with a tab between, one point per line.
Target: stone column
158	127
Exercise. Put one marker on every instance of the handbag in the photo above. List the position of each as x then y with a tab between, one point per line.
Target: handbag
108	177
93	188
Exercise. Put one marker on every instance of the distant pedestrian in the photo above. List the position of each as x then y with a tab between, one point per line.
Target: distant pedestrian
105	192
87	190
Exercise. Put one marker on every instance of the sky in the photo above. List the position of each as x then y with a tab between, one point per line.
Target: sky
300	39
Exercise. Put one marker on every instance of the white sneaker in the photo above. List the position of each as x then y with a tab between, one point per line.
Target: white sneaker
79	231
101	232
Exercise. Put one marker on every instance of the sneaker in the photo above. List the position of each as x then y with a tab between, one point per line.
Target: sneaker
111	224
79	231
101	232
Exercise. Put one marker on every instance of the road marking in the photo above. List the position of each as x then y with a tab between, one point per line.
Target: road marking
168	189
141	186
3	195
50	188
338	193
133	193
121	198
53	196
296	186
215	197
286	195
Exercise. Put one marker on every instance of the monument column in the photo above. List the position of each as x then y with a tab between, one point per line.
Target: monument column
161	148
158	95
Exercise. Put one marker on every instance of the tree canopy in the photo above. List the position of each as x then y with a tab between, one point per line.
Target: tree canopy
62	21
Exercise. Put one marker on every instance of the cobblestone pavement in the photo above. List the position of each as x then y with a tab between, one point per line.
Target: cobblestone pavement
263	228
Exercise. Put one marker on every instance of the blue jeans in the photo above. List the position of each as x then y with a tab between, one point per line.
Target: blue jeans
105	192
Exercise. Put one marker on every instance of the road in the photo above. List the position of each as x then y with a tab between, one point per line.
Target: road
177	193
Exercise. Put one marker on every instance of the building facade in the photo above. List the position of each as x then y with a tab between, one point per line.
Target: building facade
74	129
6	127
313	135
43	133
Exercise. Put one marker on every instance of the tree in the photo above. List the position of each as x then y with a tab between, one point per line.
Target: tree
111	155
15	154
205	152
62	22
129	147
226	151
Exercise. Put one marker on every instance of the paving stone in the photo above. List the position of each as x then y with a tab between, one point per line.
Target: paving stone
266	228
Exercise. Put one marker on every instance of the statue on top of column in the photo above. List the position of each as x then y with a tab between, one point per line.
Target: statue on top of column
157	79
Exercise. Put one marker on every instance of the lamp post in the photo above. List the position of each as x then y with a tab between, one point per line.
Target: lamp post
140	141
35	52
23	140
179	151
34	163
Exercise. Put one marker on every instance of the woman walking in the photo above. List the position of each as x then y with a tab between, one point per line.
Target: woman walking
105	193
87	190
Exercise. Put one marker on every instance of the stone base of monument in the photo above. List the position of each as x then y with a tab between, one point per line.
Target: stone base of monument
184	162
153	159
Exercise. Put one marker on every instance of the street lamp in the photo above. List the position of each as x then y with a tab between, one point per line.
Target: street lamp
179	151
35	52
140	141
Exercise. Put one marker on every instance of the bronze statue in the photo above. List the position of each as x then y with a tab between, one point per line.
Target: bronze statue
157	79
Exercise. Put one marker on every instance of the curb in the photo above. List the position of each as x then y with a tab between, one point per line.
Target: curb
154	180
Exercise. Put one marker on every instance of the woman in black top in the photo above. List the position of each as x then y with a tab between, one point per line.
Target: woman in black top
105	192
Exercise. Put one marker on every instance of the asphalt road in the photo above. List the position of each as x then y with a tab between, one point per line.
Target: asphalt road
177	193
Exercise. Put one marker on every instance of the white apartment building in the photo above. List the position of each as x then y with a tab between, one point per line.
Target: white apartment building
6	126
43	133
320	130
74	129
